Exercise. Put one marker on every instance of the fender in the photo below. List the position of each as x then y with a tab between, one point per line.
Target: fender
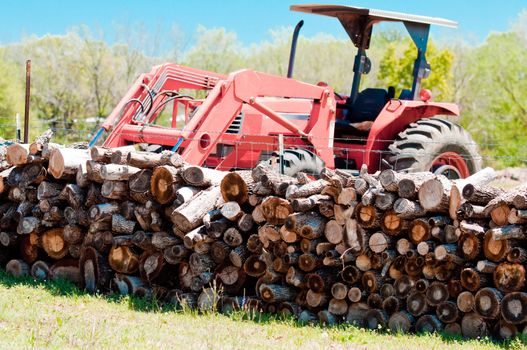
394	118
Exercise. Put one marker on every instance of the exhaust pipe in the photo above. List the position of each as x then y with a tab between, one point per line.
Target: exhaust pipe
293	49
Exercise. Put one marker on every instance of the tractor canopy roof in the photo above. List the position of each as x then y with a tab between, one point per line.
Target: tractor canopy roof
358	22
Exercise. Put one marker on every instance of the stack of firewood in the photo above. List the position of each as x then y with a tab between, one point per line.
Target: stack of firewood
408	252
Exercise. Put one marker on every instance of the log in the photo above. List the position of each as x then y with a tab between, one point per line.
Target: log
202	177
436	293
487	302
103	211
150	160
48	189
409	187
17	268
232	237
401	322
236	186
4	175
472	280
480	194
376	319
64	162
367	216
163	183
40	270
507	232
465	301
509	277
95	271
517	255
474	326
333	232
389	179
392	224
309	225
419	231
321	280
8	239
123	259
356	313
428	324
17	154
306	190
231	211
416	303
275	210
66	269
316	300
495	250
38	145
309	203
53	243
272	293
391	305
121	225
379	242
29	248
434	194
407	209
190	215
505	331
514	307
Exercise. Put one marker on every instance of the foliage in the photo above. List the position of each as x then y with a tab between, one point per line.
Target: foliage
397	64
10	97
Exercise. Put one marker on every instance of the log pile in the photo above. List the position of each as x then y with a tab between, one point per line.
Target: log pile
405	252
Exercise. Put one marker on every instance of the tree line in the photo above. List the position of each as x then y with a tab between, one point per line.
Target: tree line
77	78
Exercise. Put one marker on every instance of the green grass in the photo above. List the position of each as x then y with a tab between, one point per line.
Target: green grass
57	315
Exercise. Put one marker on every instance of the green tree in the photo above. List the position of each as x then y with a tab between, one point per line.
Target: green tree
396	67
11	93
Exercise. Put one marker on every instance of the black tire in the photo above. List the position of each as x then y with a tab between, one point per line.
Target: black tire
416	148
299	160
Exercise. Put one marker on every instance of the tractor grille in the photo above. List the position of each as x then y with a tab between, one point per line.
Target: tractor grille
236	125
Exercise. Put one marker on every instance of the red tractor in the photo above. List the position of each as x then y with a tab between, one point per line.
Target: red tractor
248	117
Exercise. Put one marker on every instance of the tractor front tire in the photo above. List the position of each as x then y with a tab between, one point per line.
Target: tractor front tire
436	145
299	160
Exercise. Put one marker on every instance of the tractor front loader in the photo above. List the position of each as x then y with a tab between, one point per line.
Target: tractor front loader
245	117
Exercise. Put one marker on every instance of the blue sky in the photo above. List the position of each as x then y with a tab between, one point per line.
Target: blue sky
250	19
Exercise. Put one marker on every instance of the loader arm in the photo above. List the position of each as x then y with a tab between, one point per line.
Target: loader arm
142	96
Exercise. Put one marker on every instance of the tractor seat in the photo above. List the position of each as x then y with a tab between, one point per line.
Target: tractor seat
368	105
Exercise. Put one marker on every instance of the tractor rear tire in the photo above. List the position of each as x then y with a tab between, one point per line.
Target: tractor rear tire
299	160
436	145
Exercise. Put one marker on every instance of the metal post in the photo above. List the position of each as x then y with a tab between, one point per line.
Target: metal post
18	131
281	153
28	94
